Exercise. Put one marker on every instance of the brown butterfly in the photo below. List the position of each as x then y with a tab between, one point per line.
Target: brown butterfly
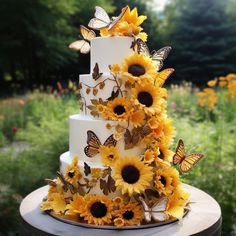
94	143
185	162
96	74
101	19
157	56
83	45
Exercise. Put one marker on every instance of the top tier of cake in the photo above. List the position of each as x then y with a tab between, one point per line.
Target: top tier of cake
109	50
105	51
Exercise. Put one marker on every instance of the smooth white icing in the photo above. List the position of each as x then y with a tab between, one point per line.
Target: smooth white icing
79	125
109	50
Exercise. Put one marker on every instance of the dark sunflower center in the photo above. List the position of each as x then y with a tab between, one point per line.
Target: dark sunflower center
136	70
161	155
128	215
71	174
130	174
119	110
163	180
111	156
145	98
98	210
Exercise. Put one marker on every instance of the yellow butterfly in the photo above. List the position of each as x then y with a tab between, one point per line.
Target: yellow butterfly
157	56
83	45
102	20
94	143
163	75
185	162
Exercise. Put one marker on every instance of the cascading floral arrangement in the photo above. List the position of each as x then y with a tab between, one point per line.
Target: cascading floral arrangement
147	188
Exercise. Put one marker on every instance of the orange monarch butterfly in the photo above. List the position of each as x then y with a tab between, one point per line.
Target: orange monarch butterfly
185	162
94	143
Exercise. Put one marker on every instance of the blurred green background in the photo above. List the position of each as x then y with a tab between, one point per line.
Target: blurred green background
34	108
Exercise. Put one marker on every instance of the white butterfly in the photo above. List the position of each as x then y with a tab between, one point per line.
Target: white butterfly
102	20
83	45
157	56
156	212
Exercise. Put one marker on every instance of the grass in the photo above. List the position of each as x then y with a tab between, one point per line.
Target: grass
41	120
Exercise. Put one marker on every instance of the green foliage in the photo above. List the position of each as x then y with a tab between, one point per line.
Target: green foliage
212	133
46	132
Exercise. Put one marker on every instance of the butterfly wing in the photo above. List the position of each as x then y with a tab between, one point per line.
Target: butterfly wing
142	47
101	19
110	141
117	19
179	153
159	56
96	75
81	46
87	33
147	215
164	75
158	210
93	144
189	161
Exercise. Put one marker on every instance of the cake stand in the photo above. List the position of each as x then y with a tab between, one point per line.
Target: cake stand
204	218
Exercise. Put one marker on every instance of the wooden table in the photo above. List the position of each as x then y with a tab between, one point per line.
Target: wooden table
204	218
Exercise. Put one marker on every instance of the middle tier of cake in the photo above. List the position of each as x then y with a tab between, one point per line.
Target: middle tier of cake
79	138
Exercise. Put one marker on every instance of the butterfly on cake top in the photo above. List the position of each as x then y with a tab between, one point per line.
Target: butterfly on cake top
124	188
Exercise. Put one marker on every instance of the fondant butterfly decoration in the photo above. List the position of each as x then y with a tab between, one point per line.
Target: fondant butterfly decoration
96	74
185	162
156	212
102	20
94	143
157	56
83	45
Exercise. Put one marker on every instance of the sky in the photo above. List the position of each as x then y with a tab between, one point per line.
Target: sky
160	4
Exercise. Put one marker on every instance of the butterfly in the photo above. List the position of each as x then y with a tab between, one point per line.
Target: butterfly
83	45
164	75
157	211
185	162
102	20
157	56
94	143
96	74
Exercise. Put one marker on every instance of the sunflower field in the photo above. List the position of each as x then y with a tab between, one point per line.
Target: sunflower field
34	132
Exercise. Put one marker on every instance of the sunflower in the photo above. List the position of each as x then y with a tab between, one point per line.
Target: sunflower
147	97
118	109
72	174
128	25
119	222
166	180
57	203
132	175
109	155
212	83
137	118
97	209
167	131
165	154
75	206
177	201
137	67
96	172
149	156
131	213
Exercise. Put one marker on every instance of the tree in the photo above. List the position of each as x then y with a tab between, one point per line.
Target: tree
197	34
